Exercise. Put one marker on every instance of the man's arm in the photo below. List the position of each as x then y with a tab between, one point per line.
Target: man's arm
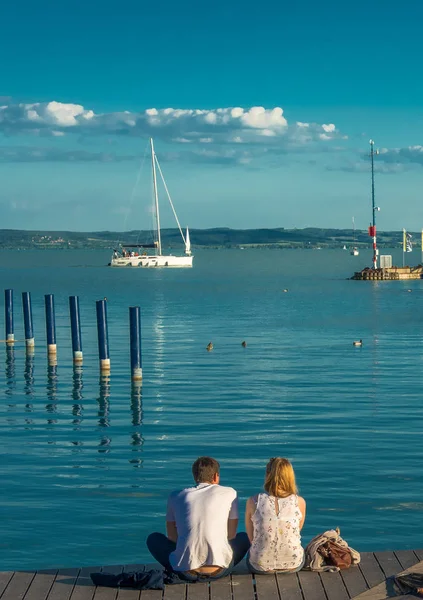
233	517
171	531
232	525
249	511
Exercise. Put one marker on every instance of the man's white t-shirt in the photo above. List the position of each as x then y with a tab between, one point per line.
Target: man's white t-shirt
201	514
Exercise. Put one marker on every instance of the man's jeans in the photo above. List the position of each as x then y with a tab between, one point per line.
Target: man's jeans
161	547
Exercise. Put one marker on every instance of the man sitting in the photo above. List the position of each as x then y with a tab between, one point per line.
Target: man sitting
201	524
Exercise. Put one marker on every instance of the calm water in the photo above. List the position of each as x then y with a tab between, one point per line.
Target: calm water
86	465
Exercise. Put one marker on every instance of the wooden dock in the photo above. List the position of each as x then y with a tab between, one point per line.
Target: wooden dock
365	580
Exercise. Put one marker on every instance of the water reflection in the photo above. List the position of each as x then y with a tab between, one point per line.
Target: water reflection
52	383
104	445
10	370
77	384
136	403
103	401
29	374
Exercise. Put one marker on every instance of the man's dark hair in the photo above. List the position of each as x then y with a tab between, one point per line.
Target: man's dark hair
204	469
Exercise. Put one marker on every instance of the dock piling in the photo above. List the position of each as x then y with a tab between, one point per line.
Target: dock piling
135	342
50	326
103	336
28	324
8	314
75	330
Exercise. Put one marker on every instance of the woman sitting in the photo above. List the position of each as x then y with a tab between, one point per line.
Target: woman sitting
273	521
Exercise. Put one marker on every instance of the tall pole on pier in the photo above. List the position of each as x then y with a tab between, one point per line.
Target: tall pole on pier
372	228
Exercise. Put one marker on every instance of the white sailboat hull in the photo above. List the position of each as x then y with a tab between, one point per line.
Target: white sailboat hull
152	261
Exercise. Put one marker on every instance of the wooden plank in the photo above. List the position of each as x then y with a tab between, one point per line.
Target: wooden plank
174	592
289	587
267	587
354	581
152	594
84	588
18	585
419	554
311	585
108	593
407	558
41	585
334	586
242	586
386	589
389	563
63	584
129	594
370	569
198	591
221	589
5	577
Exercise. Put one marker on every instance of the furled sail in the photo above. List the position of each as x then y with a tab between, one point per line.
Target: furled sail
187	244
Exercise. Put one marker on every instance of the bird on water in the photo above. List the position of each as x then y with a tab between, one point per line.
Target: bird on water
244	344
358	343
209	347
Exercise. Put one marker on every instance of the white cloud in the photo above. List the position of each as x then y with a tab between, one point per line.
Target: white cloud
329	128
255	125
407	155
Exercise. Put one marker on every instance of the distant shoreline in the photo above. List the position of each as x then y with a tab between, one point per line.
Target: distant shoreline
279	238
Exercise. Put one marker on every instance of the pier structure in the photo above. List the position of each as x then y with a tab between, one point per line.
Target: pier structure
370	580
384	271
389	274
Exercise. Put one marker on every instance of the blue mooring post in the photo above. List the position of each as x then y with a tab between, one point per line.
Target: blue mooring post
135	342
103	335
75	330
8	316
27	314
50	325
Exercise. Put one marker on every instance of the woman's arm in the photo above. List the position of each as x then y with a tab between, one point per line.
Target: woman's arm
302	507
250	509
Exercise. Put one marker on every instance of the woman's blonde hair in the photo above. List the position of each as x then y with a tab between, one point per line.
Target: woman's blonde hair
280	478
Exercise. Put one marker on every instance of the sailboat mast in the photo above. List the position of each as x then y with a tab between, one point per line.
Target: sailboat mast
374	208
156	199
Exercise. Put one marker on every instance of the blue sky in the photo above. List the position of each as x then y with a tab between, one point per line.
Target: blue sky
261	114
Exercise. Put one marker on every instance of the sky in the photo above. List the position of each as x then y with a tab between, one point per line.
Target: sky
261	115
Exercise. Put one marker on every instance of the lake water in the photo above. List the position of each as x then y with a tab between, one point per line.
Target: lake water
86	464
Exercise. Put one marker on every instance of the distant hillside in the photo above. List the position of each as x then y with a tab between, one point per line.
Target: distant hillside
309	237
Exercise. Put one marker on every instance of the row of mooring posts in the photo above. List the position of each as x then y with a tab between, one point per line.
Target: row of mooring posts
75	321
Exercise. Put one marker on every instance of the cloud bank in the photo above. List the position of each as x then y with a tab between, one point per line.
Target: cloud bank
34	154
236	125
388	161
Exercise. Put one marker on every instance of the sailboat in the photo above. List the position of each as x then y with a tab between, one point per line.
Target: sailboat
354	250
136	255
